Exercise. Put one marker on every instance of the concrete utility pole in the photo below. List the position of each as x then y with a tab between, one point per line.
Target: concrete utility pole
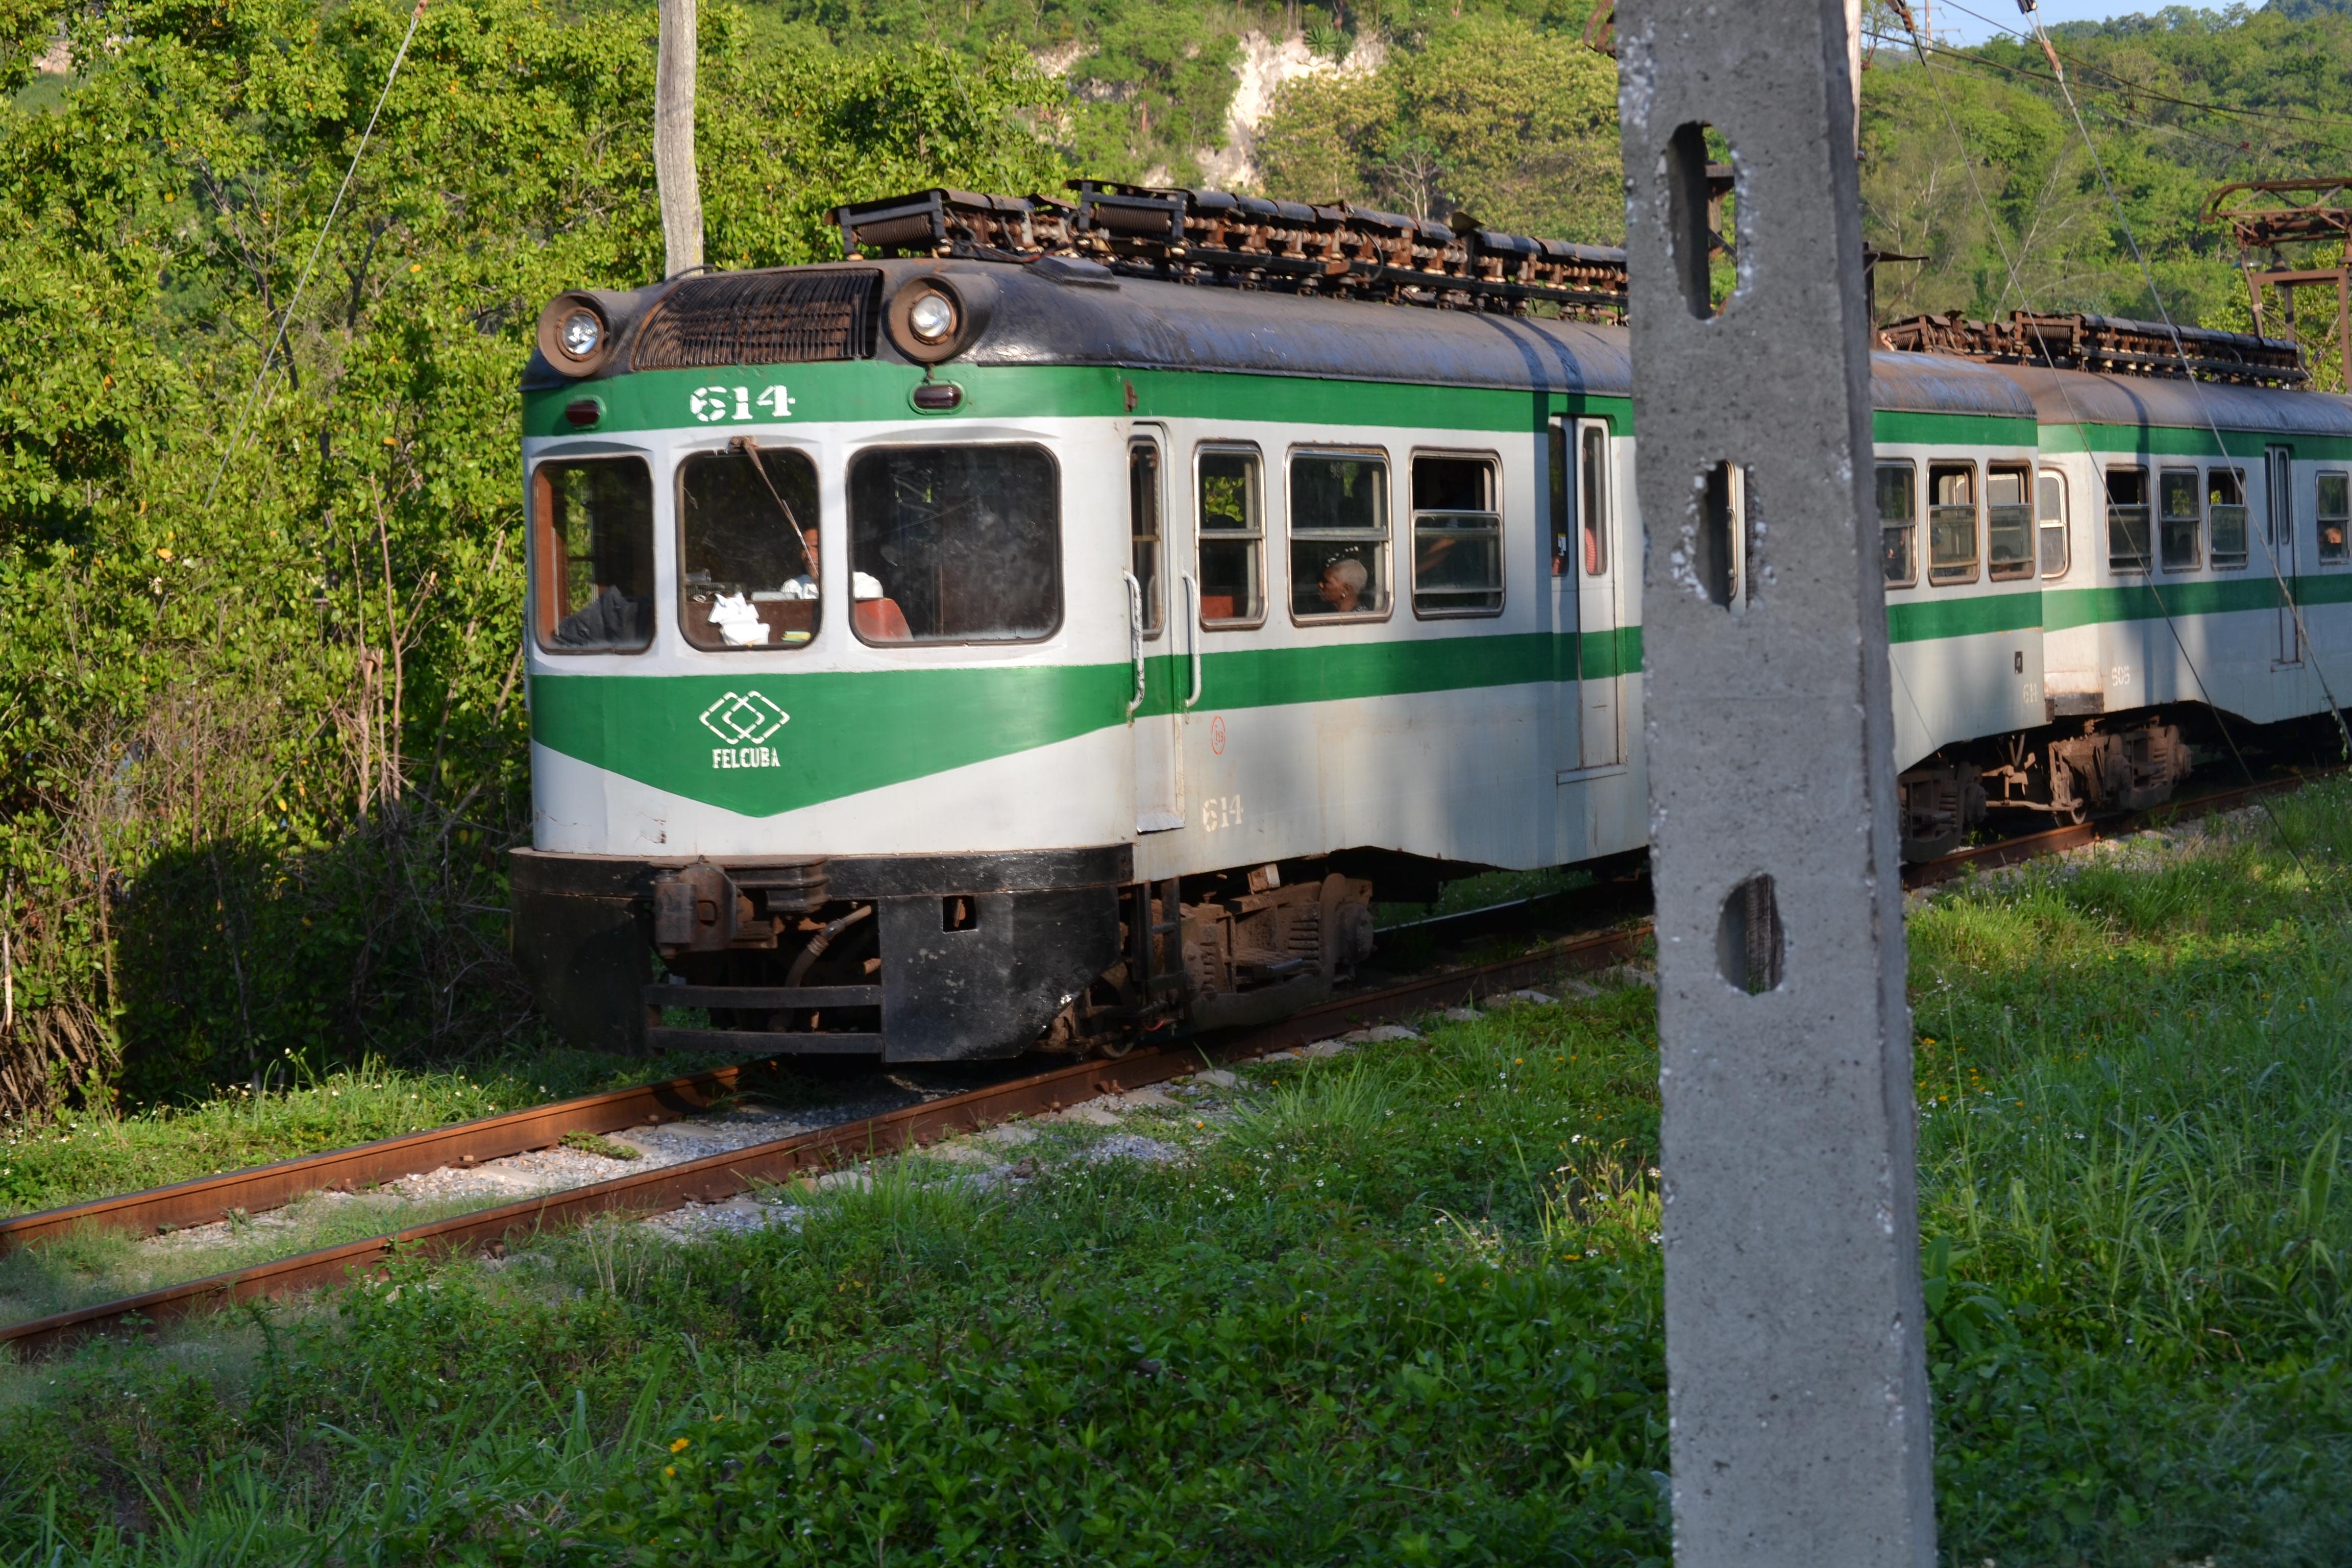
681	195
1797	1381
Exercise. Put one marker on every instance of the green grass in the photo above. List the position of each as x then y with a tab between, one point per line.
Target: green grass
91	1154
1399	1306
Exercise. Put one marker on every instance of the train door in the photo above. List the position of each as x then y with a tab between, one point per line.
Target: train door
1154	710
2279	485
1600	665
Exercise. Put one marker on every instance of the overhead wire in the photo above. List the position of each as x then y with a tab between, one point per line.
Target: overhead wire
1970	58
2083	426
286	319
2041	35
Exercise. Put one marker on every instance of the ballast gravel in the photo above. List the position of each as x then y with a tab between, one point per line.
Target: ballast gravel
559	1169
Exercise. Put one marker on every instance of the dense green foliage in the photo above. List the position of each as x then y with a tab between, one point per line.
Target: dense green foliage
261	739
1403	1306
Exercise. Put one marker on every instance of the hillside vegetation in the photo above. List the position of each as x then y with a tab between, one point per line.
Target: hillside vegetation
261	737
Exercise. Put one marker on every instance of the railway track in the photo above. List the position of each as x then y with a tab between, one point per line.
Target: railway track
716	1177
711	1179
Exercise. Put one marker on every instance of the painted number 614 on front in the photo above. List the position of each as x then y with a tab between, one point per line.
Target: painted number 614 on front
711	405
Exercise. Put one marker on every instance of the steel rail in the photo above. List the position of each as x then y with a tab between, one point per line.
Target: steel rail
210	1198
720	1177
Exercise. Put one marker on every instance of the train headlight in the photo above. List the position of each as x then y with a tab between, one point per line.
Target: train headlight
931	317
580	333
574	334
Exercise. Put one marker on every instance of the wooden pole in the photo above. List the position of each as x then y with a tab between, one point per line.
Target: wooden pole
681	195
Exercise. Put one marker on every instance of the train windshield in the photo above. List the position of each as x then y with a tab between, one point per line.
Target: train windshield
594	520
748	549
955	543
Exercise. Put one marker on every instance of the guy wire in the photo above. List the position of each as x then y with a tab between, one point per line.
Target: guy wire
287	321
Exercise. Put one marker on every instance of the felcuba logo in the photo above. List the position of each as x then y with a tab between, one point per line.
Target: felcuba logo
744	720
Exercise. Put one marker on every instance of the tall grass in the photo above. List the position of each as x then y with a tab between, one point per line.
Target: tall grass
1403	1306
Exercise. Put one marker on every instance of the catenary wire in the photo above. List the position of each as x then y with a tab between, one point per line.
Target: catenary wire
2269	552
2171	627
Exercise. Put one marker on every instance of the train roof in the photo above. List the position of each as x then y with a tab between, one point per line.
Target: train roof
1067	311
2082	398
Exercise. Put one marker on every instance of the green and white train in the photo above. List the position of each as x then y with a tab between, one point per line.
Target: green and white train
948	657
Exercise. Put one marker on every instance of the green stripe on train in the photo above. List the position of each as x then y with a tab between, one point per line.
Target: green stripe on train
2174	441
870	392
2062	609
864	391
849	731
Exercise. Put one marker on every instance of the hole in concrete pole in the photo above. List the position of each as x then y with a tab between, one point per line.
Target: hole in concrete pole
1701	205
1748	939
1720	558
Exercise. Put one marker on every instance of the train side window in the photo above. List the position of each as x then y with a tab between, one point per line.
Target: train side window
2009	523
2127	544
595	524
1338	535
2225	512
1951	522
748	549
1457	537
2180	519
1232	538
1899	522
2050	513
2335	515
1595	470
1143	527
1564	499
960	544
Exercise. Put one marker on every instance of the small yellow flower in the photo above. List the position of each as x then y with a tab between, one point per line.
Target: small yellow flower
681	1446
671	1470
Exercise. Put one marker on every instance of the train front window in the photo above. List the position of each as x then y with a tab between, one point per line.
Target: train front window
1951	522
1899	522
1233	533
2180	519
1338	535
2225	512
748	553
955	544
2050	513
2127	541
2335	515
1457	537
594	525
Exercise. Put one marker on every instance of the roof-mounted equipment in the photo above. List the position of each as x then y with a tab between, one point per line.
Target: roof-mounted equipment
2106	344
1213	237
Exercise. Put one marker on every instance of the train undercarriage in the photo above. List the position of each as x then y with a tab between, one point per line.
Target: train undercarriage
2064	773
925	958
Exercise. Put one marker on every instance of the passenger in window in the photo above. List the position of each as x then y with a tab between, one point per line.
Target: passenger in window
611	619
594	518
1342	586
